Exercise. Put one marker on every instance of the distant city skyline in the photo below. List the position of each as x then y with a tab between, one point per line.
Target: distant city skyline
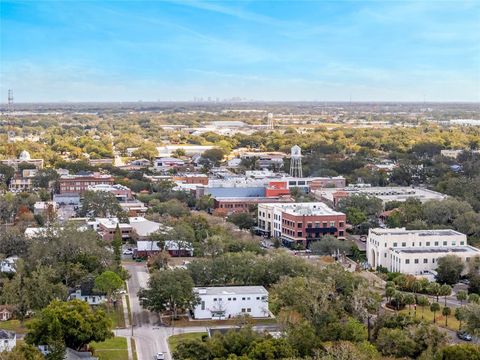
267	51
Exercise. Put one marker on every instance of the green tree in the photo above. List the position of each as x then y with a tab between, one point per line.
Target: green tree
99	204
459	352
472	318
242	220
330	245
460	316
355	216
422	301
395	342
434	290
462	296
449	269
214	156
409	300
22	352
446	311
73	324
108	283
445	290
117	245
434	307
168	290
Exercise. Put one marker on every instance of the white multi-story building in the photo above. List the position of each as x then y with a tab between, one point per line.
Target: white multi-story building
231	301
415	251
167	163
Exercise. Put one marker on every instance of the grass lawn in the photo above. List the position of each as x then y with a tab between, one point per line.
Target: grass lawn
453	324
116	314
111	349
174	340
185	322
14	325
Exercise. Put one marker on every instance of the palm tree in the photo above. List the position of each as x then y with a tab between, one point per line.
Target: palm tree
445	290
389	292
399	299
423	301
462	296
409	299
434	290
434	307
446	311
459	315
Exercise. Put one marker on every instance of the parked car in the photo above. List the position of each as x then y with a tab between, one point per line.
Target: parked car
127	252
463	335
363	238
160	356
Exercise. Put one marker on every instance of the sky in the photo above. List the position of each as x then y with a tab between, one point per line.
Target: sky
261	50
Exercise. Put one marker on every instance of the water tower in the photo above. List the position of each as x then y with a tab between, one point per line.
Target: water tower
296	161
270	121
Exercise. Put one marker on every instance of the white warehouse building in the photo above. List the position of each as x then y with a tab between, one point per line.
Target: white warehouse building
415	252
227	302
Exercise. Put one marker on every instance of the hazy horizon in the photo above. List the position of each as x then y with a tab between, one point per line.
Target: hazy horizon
175	51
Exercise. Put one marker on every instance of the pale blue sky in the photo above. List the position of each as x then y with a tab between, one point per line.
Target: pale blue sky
263	50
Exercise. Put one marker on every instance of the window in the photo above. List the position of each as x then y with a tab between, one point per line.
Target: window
407	261
248	298
299	225
425	261
341	224
234	299
249	310
444	243
404	244
454	243
229	299
243	310
324	224
332	223
427	243
420	243
395	244
340	233
243	298
436	243
413	244
214	299
258	297
433	261
203	305
416	261
299	234
385	255
462	242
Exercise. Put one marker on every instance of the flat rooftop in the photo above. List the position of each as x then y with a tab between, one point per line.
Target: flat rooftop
231	290
403	232
444	250
307	209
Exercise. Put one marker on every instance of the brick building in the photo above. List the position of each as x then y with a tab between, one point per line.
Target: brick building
300	222
78	184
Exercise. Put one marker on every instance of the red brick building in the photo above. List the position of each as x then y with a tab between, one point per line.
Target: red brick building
230	205
300	222
78	184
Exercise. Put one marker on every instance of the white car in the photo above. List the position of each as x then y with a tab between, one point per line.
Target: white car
160	356
128	252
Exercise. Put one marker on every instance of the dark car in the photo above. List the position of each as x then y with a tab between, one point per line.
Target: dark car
463	335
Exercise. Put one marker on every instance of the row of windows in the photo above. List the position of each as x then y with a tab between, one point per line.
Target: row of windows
243	298
230	206
428	243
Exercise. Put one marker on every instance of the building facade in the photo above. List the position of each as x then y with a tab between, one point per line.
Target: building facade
78	184
300	222
415	251
228	302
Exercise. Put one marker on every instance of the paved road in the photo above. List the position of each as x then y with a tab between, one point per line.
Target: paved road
149	337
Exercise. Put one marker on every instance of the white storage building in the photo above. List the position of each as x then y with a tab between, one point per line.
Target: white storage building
231	301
